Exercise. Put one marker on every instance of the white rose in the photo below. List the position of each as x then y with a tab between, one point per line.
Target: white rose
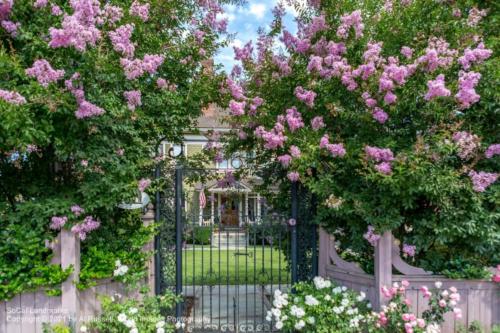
130	323
160	324
83	328
300	325
438	284
132	310
134	330
122	317
279	325
160	330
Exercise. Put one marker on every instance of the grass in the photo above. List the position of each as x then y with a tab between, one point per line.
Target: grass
259	265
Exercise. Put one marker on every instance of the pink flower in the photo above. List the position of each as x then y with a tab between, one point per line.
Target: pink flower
467	95
353	19
306	96
380	115
285	160
244	53
293	176
133	98
10	27
442	303
161	83
12	97
475	16
88	110
44	73
40	3
317	123
477	55
56	10
336	149
237	108
143	184
84	163
384	168
379	154
77	210
482	180
390	98
373	238
5	8
467	144
409	250
457	312
294	119
405	283
436	88
295	151
57	222
86	226
141	11
120	38
491	151
112	14
407	52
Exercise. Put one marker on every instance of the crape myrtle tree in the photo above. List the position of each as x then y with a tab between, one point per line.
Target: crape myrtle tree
387	111
87	89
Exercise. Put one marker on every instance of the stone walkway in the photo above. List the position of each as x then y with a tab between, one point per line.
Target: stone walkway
229	308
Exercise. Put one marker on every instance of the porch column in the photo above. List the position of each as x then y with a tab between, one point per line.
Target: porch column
240	208
258	208
201	208
212	207
245	216
218	207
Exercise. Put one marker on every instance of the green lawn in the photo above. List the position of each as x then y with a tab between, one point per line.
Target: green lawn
259	265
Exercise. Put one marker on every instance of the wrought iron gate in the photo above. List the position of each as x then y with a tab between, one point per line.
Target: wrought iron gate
226	251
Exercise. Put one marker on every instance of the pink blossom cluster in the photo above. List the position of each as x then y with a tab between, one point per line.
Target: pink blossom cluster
143	184
354	20
445	300
165	84
235	89
482	180
496	277
79	29
317	123
77	210
237	108
40	3
133	98
293	176
274	138
306	96
285	160
371	236
467	144
380	115
407	52
88	224
10	27
335	149
492	150
475	16
56	10
112	14
294	119
57	222
44	73
409	250
295	151
141	11
437	55
12	97
298	45
212	18
318	23
135	68
5	8
244	53
383	157
466	95
477	55
436	88
85	109
120	38
256	103
284	68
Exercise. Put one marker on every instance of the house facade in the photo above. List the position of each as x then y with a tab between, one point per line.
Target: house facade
208	203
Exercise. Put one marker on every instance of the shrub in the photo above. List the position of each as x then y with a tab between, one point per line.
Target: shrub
200	236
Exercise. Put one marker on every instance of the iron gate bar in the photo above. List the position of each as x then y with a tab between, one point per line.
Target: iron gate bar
295	208
178	239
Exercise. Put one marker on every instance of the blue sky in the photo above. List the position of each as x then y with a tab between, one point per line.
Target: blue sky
245	22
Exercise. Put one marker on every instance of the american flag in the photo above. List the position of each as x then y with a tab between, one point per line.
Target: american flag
203	199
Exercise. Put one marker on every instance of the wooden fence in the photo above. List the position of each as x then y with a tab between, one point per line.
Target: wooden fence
480	300
26	312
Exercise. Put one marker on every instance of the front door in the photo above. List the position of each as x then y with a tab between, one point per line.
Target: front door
229	214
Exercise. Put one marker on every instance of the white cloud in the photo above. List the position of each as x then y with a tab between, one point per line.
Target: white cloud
229	16
237	43
258	10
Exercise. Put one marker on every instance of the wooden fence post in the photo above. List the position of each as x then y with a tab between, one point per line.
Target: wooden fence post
70	257
148	218
383	267
324	252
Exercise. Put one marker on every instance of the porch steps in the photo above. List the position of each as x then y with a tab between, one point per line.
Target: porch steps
230	240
